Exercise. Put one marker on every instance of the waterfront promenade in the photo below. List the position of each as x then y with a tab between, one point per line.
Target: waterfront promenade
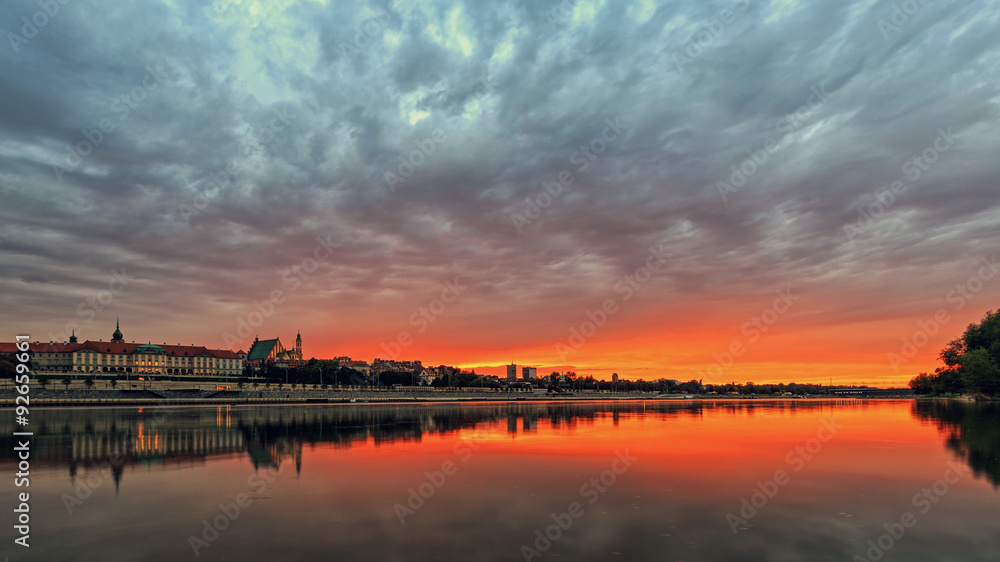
205	393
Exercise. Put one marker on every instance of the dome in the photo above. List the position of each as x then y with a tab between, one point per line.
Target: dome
150	348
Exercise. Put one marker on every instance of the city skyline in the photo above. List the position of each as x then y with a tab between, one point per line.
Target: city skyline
732	191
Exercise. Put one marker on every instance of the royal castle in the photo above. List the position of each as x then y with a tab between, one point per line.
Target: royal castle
119	356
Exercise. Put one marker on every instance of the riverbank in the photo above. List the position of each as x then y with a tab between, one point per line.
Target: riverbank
159	396
193	396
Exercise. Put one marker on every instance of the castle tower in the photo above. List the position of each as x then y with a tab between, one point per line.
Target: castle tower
117	337
72	338
298	345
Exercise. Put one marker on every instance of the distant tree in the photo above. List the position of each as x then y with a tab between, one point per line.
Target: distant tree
67	382
43	382
89	382
972	362
113	383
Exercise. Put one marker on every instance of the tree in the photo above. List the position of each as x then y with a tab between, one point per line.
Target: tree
114	383
89	382
922	384
43	382
972	362
67	382
979	372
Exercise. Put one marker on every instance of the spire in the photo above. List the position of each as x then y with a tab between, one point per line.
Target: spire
72	338
117	337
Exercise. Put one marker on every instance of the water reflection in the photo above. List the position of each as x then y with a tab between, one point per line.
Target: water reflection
971	430
267	435
342	480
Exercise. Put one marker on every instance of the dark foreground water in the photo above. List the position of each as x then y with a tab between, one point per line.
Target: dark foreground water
754	480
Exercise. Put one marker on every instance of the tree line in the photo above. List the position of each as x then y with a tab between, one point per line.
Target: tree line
971	362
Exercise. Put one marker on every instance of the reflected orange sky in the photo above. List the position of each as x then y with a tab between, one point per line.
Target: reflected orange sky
751	439
342	470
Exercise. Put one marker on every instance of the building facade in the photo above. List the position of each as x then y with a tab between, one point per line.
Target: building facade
272	352
117	356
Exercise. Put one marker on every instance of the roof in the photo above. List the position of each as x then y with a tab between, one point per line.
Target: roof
224	353
149	348
261	349
120	348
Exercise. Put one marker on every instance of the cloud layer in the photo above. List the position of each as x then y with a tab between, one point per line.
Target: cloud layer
213	152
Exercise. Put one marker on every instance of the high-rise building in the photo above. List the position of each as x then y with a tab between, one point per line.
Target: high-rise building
529	373
614	377
511	372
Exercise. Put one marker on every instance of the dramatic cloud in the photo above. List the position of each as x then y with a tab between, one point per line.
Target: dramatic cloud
357	156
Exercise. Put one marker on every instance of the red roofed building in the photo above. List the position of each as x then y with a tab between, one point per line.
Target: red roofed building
116	356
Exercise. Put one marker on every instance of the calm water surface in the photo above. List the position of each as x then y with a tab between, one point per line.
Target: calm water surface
752	480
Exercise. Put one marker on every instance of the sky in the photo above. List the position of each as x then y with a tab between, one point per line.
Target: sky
763	190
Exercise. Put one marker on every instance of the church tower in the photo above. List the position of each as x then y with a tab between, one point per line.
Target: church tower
298	345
